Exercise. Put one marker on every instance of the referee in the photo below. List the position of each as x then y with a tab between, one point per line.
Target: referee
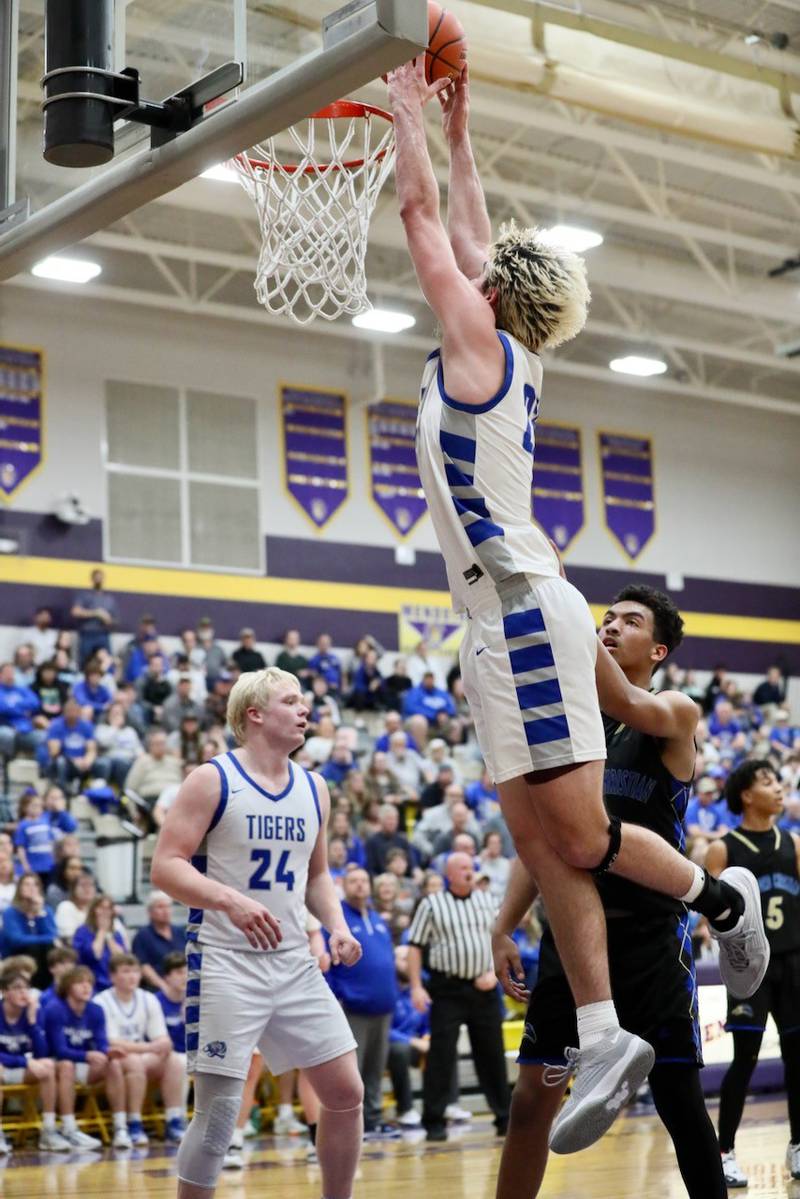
455	928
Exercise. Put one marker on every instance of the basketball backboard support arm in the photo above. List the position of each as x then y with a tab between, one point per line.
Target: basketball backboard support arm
363	40
9	26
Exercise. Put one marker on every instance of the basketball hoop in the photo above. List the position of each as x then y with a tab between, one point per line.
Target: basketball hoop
314	213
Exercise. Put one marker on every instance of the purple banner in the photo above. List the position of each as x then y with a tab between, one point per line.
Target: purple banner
315	451
394	476
558	502
627	469
21	417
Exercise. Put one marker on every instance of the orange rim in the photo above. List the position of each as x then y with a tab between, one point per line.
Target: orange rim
340	109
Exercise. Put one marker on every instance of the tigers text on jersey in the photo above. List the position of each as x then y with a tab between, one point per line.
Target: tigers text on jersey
476	468
259	844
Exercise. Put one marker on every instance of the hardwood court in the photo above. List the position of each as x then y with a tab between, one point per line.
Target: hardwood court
635	1159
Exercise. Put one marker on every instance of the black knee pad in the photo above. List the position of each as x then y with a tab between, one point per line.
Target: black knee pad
614	843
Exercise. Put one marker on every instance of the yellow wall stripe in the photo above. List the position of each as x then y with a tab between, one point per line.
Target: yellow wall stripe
346	597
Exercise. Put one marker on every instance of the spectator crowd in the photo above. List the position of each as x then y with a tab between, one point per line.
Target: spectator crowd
120	724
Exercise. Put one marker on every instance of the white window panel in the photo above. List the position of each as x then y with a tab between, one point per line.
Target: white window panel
144	518
143	425
225	526
222	438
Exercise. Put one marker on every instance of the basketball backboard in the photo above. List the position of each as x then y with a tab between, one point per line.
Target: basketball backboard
295	55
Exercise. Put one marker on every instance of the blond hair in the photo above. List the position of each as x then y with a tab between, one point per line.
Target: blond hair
542	293
254	689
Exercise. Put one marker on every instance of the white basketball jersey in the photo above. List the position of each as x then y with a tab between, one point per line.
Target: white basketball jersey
476	467
258	844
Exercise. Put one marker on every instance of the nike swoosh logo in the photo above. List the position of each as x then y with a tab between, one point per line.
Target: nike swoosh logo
478	652
236	790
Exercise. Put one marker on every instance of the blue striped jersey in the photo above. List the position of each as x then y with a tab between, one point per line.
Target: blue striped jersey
259	844
476	468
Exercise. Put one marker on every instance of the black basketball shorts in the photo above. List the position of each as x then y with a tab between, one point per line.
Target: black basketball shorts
653	985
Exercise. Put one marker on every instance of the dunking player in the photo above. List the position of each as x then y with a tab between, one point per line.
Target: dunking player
248	829
647	781
755	792
528	659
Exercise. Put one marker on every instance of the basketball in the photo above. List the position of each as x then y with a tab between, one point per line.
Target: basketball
447	44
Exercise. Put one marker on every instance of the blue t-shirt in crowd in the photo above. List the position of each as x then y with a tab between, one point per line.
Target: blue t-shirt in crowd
417	701
97	698
725	733
70	1036
477	797
151	948
329	666
62	822
784	736
382	743
37	837
370	987
708	818
19	1040
17	705
100	967
174	1015
47	997
21	931
73	739
407	1022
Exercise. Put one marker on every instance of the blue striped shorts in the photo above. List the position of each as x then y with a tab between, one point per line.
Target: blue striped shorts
527	662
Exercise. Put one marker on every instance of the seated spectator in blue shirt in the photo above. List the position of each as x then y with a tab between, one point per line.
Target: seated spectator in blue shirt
140	654
18	711
393	723
338	864
172	997
481	796
368	689
98	940
91	693
24	1056
55	809
705	811
428	700
326	663
723	728
340	827
29	926
35	838
783	736
60	959
75	1028
157	939
71	750
339	764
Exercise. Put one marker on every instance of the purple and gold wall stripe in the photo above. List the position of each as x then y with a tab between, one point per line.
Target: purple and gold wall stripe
315	463
558	499
394	476
626	468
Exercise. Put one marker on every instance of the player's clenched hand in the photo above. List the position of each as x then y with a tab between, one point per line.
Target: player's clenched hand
262	929
508	968
345	949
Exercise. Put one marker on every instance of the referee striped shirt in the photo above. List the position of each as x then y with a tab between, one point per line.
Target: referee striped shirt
456	931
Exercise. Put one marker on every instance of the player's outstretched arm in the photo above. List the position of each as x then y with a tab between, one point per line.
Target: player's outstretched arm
473	356
186	824
670	715
321	898
468	221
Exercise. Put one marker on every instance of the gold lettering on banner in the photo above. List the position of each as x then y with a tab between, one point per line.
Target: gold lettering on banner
612	451
619	477
614	501
320	409
337	434
22	447
316	481
548	493
24	422
561	443
384	443
323	459
389	468
389	491
559	470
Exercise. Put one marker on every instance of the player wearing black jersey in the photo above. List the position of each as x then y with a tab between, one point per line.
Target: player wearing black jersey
754	791
648	772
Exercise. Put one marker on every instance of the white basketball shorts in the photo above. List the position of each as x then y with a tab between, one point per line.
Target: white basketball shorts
278	1003
527	662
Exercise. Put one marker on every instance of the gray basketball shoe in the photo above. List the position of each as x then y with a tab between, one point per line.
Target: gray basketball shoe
607	1076
744	950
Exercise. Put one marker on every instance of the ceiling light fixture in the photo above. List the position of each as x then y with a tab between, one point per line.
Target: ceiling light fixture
572	237
222	173
634	365
67	270
380	320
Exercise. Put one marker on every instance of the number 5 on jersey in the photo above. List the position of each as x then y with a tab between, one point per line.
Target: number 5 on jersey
259	880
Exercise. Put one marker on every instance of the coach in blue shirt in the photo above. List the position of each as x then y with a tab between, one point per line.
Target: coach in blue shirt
367	991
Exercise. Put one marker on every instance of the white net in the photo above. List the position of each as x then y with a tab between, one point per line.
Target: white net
315	211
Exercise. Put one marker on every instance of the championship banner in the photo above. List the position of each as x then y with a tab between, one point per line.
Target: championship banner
441	628
394	475
628	492
315	451
558	502
21	416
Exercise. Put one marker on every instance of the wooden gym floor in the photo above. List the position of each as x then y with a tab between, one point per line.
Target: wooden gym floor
635	1159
